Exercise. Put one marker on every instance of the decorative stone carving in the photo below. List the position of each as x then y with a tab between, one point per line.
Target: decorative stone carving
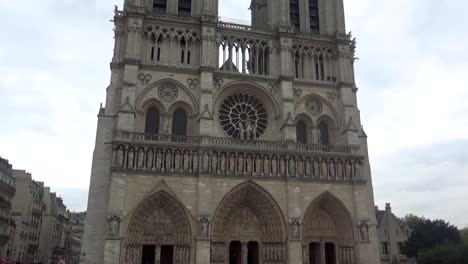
168	92
295	229
273	88
332	96
314	106
297	93
193	83
144	78
114	226
131	158
141	158
218	83
120	157
364	231
243	116
204	228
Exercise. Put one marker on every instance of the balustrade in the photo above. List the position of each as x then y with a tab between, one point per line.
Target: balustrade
193	155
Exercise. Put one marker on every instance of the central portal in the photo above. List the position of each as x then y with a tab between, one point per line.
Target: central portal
155	255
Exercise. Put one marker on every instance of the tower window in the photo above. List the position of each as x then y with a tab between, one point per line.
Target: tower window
301	132
160	6
294	13
179	123
152	121
185	7
324	134
314	16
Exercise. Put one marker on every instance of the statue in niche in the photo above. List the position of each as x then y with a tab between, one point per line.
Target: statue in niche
324	168
168	163
240	163
266	165
131	157
258	165
316	168
348	169
308	168
186	161
364	231
177	161
295	226
223	163
114	225
300	167
339	169
357	169
205	161
332	168
120	157
249	164
274	166
158	159
149	162
282	166
232	163
241	131
292	167
204	228
214	162
195	161
141	158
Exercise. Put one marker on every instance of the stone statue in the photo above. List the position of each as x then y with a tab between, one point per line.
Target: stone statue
332	171
364	231
249	165
241	130
168	159
282	166
205	161
339	169
266	165
232	163
316	168
186	161
357	169
114	223
258	165
348	169
240	163
324	168
214	162
131	158
177	161
308	168
195	161
223	163
292	167
204	228
295	229
274	166
120	157
141	158
158	159
300	167
149	162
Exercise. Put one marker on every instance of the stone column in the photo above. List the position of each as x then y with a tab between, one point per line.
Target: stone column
322	252
157	254
244	252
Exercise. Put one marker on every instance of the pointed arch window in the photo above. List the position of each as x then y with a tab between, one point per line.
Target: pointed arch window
324	132
160	6
185	7
301	132
179	123
294	13
152	121
314	16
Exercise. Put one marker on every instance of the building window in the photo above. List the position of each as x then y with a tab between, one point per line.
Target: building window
185	7
400	248
324	132
314	16
160	6
385	248
152	121
179	123
301	132
294	13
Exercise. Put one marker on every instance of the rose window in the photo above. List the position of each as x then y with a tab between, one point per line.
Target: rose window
243	116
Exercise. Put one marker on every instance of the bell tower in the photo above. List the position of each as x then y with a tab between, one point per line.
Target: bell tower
226	143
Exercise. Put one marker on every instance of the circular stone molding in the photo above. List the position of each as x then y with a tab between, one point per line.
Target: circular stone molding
314	106
168	92
243	116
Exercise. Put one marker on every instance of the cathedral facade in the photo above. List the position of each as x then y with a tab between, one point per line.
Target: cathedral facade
231	144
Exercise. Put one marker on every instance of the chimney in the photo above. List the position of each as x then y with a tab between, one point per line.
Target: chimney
388	208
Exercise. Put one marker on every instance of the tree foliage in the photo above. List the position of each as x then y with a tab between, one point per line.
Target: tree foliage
464	234
444	254
428	234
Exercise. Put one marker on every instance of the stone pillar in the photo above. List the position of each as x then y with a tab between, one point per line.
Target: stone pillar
244	251
157	254
322	252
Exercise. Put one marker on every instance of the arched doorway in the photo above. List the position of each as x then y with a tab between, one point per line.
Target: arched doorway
159	232
248	228
327	232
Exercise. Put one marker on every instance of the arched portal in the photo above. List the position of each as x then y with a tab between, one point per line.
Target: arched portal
248	223
159	232
328	233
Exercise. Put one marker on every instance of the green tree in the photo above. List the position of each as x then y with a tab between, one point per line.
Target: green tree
464	234
427	234
444	254
412	220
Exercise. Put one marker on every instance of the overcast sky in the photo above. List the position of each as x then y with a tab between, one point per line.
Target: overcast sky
413	62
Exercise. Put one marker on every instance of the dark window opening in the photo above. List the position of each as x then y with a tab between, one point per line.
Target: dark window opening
152	121
301	132
235	252
330	253
314	253
182	56
179	123
297	66
314	16
188	57
294	13
167	254
252	253
152	53
324	134
185	7
160	6
159	54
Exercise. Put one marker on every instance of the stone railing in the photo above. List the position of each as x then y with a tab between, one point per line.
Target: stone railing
195	155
